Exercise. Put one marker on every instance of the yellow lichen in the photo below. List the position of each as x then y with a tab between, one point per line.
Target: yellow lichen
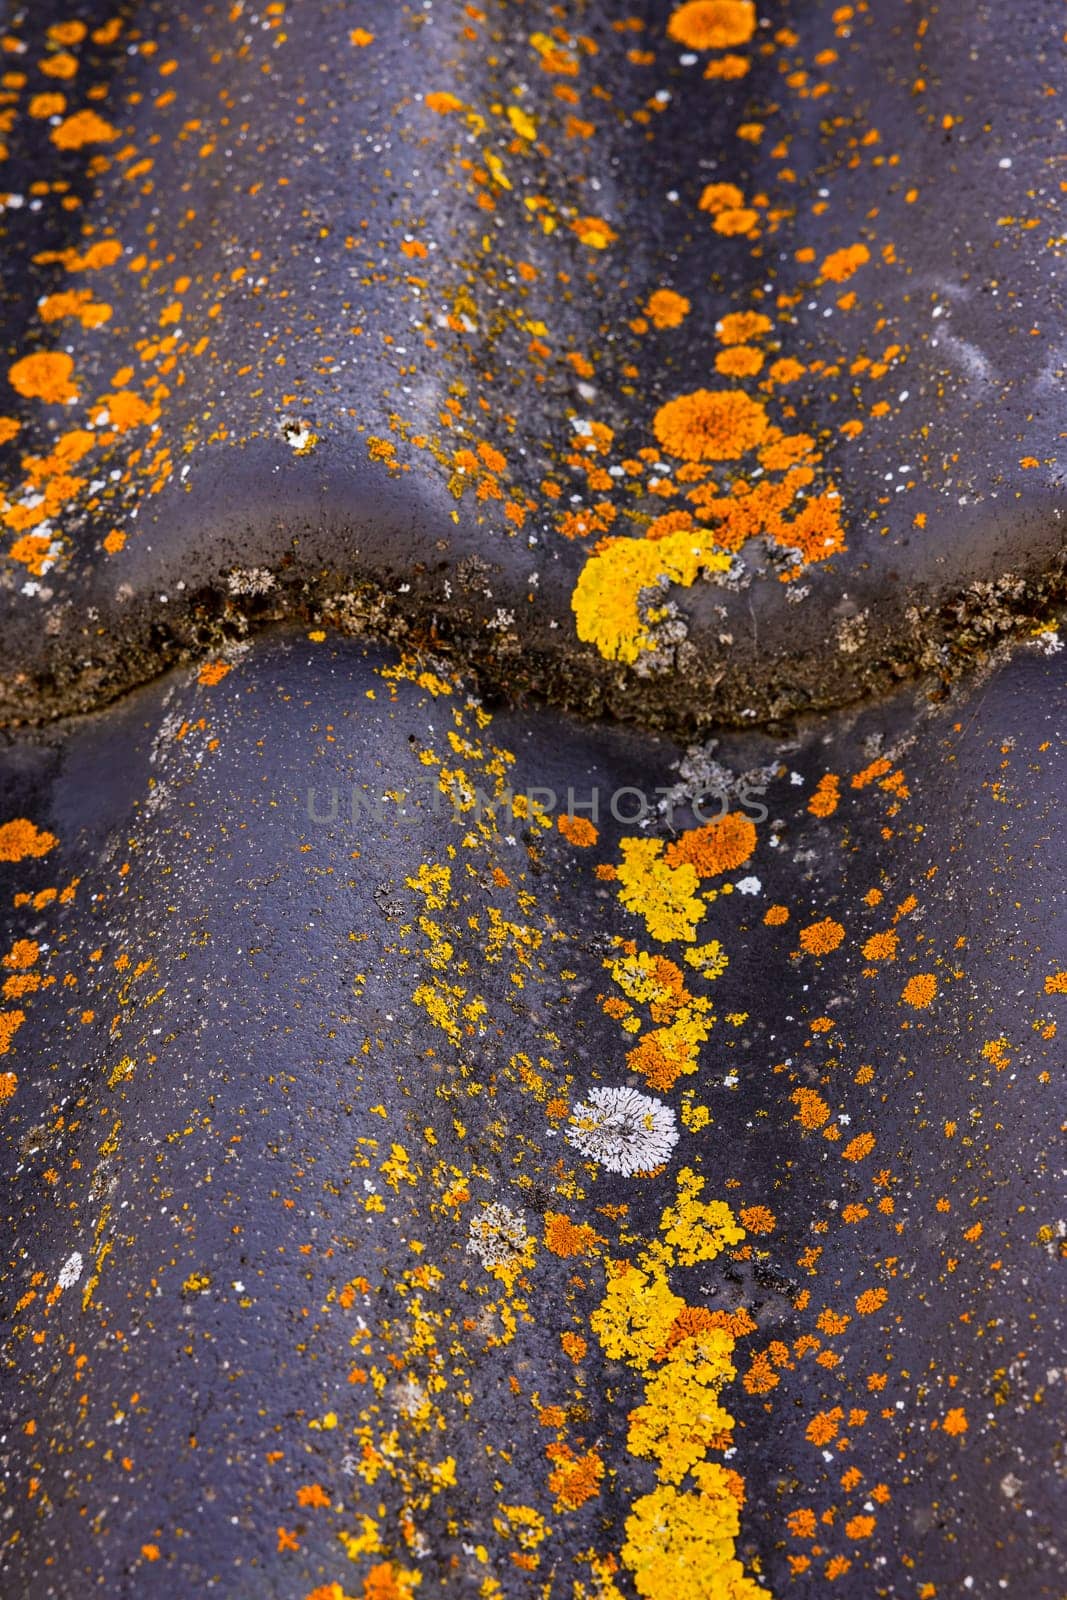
665	896
605	599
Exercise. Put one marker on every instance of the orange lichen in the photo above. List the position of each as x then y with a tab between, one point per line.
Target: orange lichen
388	1582
442	102
61	65
758	1219
594	232
774	916
727	67
20	838
576	1478
737	220
711	425
566	1238
213	672
574	1346
738	327
841	264
713	24
824	1426
719	846
10	1023
812	1111
42	106
23	954
77	303
826	797
45	375
32	551
577	830
84	127
919	991
819	938
739	361
665	309
718	197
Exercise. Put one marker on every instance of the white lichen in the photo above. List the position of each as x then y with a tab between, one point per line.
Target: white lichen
623	1130
498	1236
70	1271
250	580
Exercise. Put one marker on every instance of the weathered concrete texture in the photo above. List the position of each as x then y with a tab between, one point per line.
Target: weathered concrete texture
308	1282
358	317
